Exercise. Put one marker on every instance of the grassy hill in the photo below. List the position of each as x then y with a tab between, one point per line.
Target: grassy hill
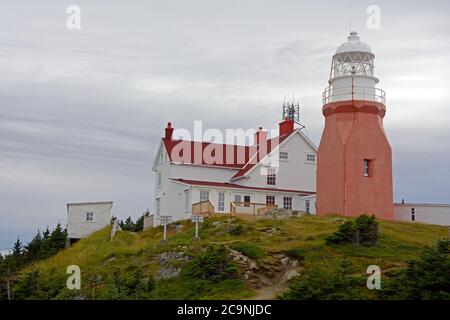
236	259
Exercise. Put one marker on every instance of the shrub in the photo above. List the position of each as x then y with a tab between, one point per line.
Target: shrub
250	250
295	253
321	284
428	277
214	265
237	230
363	230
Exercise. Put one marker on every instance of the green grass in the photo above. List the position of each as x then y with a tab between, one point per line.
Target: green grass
125	268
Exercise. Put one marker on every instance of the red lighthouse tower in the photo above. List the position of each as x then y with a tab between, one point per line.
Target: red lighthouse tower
354	163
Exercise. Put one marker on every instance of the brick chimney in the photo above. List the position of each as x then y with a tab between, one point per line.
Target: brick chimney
260	136
169	131
286	126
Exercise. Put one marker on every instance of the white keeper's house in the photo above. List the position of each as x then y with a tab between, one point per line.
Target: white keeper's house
202	177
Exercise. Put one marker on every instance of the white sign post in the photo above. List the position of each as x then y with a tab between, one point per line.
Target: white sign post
165	220
196	220
115	227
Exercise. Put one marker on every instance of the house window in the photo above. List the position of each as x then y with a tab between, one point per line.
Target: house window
247	201
270	200
271	176
204	196
287	203
237	198
221	201
311	157
158	207
367	172
186	201
89	216
284	155
159	178
413	214
307	206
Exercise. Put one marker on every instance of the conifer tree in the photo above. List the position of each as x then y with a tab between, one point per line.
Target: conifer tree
33	249
57	239
17	254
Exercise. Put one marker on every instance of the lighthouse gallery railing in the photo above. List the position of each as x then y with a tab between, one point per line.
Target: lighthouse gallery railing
349	93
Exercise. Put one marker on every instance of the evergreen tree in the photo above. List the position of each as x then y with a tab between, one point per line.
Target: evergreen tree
33	249
128	225
428	277
17	254
46	245
57	239
139	225
27	285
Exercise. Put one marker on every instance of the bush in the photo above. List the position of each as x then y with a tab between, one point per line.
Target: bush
363	230
295	253
321	284
214	265
428	277
250	250
237	230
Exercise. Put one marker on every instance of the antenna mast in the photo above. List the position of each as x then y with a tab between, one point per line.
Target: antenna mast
291	111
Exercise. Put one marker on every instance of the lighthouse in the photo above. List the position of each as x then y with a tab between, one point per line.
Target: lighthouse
354	161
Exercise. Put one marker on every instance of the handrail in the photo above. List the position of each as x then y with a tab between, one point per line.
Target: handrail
254	208
356	92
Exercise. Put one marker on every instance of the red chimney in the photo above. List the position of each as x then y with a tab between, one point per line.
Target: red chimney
286	126
169	131
260	136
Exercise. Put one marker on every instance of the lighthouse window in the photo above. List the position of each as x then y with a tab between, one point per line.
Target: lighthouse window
367	168
311	157
413	214
271	176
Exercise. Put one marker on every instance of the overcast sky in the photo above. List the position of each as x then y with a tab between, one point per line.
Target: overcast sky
82	111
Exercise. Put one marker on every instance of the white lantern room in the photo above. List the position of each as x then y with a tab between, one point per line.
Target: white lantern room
352	73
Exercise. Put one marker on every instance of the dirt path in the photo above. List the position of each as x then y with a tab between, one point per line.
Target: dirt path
278	285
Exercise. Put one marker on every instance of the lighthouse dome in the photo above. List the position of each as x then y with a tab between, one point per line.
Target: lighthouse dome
353	44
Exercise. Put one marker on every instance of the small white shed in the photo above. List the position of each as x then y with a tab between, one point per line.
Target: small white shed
85	218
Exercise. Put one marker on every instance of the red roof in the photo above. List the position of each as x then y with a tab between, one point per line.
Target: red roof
220	155
237	186
207	153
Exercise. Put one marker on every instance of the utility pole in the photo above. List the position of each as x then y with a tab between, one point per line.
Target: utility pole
196	220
